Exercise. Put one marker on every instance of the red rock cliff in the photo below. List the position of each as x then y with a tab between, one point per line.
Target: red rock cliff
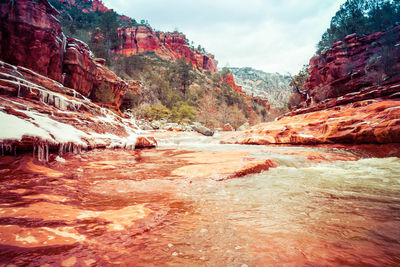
353	97
228	78
31	36
353	64
86	74
86	5
171	46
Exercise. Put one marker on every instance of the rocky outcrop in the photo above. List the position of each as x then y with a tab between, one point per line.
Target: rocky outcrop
227	128
228	78
86	74
170	46
347	120
353	64
42	115
198	127
31	36
87	5
353	97
98	6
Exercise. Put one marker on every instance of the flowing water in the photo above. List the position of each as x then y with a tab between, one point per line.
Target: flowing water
115	207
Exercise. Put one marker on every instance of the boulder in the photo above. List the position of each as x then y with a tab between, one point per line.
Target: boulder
227	128
156	125
145	142
202	129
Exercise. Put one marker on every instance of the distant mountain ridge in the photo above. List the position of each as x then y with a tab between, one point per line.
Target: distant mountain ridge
271	86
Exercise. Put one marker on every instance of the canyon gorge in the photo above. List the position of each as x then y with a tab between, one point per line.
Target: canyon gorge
84	184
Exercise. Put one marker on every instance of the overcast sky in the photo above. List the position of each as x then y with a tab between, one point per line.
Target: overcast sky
269	35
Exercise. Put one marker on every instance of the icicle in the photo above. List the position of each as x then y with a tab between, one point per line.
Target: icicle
34	150
19	88
47	152
56	102
39	152
8	148
61	149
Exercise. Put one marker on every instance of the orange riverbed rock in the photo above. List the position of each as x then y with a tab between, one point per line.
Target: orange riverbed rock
368	121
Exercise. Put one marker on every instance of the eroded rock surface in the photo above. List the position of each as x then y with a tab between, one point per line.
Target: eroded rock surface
42	115
354	64
86	74
171	46
31	36
369	121
353	96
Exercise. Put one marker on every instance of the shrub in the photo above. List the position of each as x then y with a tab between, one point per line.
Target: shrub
208	111
130	101
236	116
157	113
103	94
183	114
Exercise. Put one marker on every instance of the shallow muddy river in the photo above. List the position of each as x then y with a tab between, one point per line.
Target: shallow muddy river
147	208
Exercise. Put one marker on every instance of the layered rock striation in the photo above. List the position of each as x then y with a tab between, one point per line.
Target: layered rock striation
363	122
40	114
353	97
170	46
45	82
31	37
353	64
87	74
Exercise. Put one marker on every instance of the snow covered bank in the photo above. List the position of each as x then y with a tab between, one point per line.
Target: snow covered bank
40	115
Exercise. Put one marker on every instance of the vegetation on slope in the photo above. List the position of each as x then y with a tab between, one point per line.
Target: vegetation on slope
361	17
168	90
174	91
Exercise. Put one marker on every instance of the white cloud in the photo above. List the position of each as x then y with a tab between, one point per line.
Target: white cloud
270	35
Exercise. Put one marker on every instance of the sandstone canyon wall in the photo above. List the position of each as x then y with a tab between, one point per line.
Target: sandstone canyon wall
43	93
86	74
170	46
353	64
228	78
31	36
353	97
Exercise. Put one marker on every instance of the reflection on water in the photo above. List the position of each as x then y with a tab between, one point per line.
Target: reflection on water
125	207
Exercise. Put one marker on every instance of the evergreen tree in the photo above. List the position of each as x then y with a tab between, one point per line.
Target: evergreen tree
360	17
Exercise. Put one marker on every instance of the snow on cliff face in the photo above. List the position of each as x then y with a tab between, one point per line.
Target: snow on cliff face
39	114
272	86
